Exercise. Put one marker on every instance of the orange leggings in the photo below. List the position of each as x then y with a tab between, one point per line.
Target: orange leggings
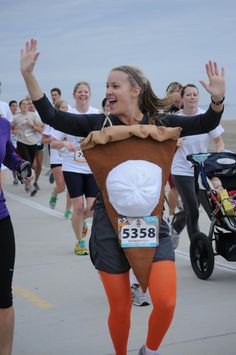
162	289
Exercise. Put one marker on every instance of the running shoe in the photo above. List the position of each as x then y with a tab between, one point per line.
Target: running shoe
173	233
174	238
138	297
51	178
52	201
15	182
84	230
142	351
67	214
33	192
80	248
36	186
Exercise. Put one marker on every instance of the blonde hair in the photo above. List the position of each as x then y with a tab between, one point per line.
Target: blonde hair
171	88
58	103
81	83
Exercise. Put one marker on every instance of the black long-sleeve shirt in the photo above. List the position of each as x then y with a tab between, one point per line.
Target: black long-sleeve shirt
81	125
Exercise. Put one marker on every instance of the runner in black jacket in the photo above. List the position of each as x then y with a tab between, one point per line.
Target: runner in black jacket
132	101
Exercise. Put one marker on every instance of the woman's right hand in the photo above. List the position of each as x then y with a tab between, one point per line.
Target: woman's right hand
29	56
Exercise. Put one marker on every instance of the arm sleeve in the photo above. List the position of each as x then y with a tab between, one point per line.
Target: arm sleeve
12	160
71	123
219	130
192	125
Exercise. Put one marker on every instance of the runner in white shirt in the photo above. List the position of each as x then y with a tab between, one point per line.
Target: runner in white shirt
79	179
56	163
181	169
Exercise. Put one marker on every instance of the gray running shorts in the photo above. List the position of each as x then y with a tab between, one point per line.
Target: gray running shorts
105	251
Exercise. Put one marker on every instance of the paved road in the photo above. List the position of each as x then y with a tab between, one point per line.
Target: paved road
60	304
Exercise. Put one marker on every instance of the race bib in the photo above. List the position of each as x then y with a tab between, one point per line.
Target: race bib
79	156
138	232
29	132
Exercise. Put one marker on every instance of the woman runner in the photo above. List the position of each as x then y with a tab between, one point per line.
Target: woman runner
132	101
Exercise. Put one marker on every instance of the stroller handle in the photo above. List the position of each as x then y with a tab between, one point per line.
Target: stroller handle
198	158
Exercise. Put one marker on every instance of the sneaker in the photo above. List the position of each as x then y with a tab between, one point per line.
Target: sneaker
84	230
52	202
174	238
138	297
51	178
80	248
33	192
67	214
142	351
15	182
173	233
36	186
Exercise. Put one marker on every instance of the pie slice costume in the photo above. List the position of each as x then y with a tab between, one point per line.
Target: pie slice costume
107	149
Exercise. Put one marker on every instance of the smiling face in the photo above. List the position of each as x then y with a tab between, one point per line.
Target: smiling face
190	99
82	95
122	97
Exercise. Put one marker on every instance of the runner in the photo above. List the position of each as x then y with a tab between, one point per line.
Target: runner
56	164
78	177
132	101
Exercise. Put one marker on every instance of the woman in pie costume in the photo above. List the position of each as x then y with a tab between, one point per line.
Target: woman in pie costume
132	102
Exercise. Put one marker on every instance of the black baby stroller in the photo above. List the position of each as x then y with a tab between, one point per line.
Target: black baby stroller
221	239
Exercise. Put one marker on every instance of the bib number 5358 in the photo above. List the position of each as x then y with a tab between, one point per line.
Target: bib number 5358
138	233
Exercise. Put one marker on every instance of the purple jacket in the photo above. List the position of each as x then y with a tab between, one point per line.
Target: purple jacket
8	157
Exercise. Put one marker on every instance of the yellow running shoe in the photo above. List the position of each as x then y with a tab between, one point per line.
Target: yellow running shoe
80	248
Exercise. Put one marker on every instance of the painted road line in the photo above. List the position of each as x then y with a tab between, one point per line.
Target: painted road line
35	205
31	297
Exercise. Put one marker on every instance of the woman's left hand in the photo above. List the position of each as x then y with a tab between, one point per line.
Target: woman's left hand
216	85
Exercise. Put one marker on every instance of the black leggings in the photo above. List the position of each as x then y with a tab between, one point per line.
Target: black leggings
7	261
185	186
27	152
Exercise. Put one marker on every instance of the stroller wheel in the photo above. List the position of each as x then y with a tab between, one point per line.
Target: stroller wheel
202	256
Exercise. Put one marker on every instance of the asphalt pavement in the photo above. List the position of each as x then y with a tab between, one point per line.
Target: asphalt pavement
59	300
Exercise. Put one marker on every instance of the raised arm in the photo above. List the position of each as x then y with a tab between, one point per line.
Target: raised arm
78	125
29	56
216	85
206	122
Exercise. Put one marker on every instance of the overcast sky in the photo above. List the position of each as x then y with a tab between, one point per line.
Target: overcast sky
171	40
